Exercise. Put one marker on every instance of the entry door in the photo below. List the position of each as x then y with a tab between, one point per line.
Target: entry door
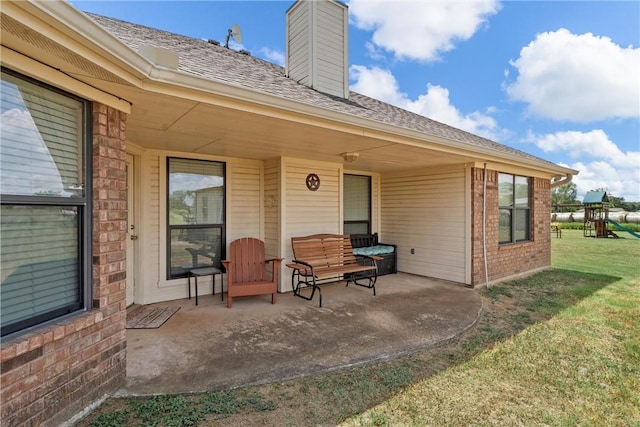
132	234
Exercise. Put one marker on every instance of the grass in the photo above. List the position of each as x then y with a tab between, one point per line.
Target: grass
579	367
561	347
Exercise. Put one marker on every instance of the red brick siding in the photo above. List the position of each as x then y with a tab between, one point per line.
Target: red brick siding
53	372
508	260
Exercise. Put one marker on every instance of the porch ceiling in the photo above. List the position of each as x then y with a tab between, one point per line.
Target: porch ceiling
167	123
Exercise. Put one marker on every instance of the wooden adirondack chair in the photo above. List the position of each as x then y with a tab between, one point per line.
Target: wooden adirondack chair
247	270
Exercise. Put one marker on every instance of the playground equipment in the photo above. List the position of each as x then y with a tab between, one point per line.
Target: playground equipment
596	215
623	228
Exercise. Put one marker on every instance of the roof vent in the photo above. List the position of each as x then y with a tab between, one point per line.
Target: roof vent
244	52
160	56
215	42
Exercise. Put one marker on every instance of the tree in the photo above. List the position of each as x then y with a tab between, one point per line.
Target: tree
565	194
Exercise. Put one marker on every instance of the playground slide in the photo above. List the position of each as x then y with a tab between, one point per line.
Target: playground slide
615	224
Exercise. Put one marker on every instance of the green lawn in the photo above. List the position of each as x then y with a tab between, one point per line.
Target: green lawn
559	348
579	367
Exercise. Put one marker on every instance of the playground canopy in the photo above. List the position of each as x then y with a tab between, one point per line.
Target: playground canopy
595	198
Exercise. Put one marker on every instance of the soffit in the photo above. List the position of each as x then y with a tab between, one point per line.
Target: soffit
20	38
163	122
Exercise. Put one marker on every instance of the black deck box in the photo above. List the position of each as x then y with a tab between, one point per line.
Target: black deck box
367	244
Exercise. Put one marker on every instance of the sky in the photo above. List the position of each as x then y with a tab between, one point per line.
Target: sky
556	79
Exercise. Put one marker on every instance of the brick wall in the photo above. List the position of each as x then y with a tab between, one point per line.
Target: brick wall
512	259
54	371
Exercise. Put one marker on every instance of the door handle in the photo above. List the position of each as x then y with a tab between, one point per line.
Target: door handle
134	237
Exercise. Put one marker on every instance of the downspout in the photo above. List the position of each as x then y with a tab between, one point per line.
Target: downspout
557	181
484	224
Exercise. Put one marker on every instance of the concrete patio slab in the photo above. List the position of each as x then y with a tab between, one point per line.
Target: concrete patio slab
210	347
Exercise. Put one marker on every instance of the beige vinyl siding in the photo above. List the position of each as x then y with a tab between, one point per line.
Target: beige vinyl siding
152	215
330	49
244	218
317	46
244	211
375	204
298	45
309	212
425	211
272	207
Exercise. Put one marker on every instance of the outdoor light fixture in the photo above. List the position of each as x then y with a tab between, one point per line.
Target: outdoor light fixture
350	157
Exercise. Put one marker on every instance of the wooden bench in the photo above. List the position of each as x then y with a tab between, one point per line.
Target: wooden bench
325	258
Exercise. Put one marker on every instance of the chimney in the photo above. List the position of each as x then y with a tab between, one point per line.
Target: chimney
317	37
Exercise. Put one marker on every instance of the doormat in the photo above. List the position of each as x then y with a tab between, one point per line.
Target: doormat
149	317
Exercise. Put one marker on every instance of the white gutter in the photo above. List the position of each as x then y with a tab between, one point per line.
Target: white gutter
561	180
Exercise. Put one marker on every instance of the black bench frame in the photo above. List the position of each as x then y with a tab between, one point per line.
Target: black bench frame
326	258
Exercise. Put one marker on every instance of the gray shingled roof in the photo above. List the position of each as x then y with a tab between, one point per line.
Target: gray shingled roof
217	63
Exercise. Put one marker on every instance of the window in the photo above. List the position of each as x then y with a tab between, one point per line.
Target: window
195	217
515	210
44	270
357	204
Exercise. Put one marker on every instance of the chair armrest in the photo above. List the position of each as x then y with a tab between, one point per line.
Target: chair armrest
303	264
300	266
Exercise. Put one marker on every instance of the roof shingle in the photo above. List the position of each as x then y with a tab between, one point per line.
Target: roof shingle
217	63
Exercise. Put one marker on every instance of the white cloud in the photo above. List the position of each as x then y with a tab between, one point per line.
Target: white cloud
378	84
564	76
435	103
420	30
600	174
594	144
616	171
273	55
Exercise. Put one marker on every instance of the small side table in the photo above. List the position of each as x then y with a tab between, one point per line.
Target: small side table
206	271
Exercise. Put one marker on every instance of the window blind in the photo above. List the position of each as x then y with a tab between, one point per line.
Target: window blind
357	204
357	198
40	147
40	268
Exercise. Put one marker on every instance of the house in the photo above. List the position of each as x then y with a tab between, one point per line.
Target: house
113	132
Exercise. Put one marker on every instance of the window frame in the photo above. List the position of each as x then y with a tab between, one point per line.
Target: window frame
170	227
84	219
368	221
514	209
